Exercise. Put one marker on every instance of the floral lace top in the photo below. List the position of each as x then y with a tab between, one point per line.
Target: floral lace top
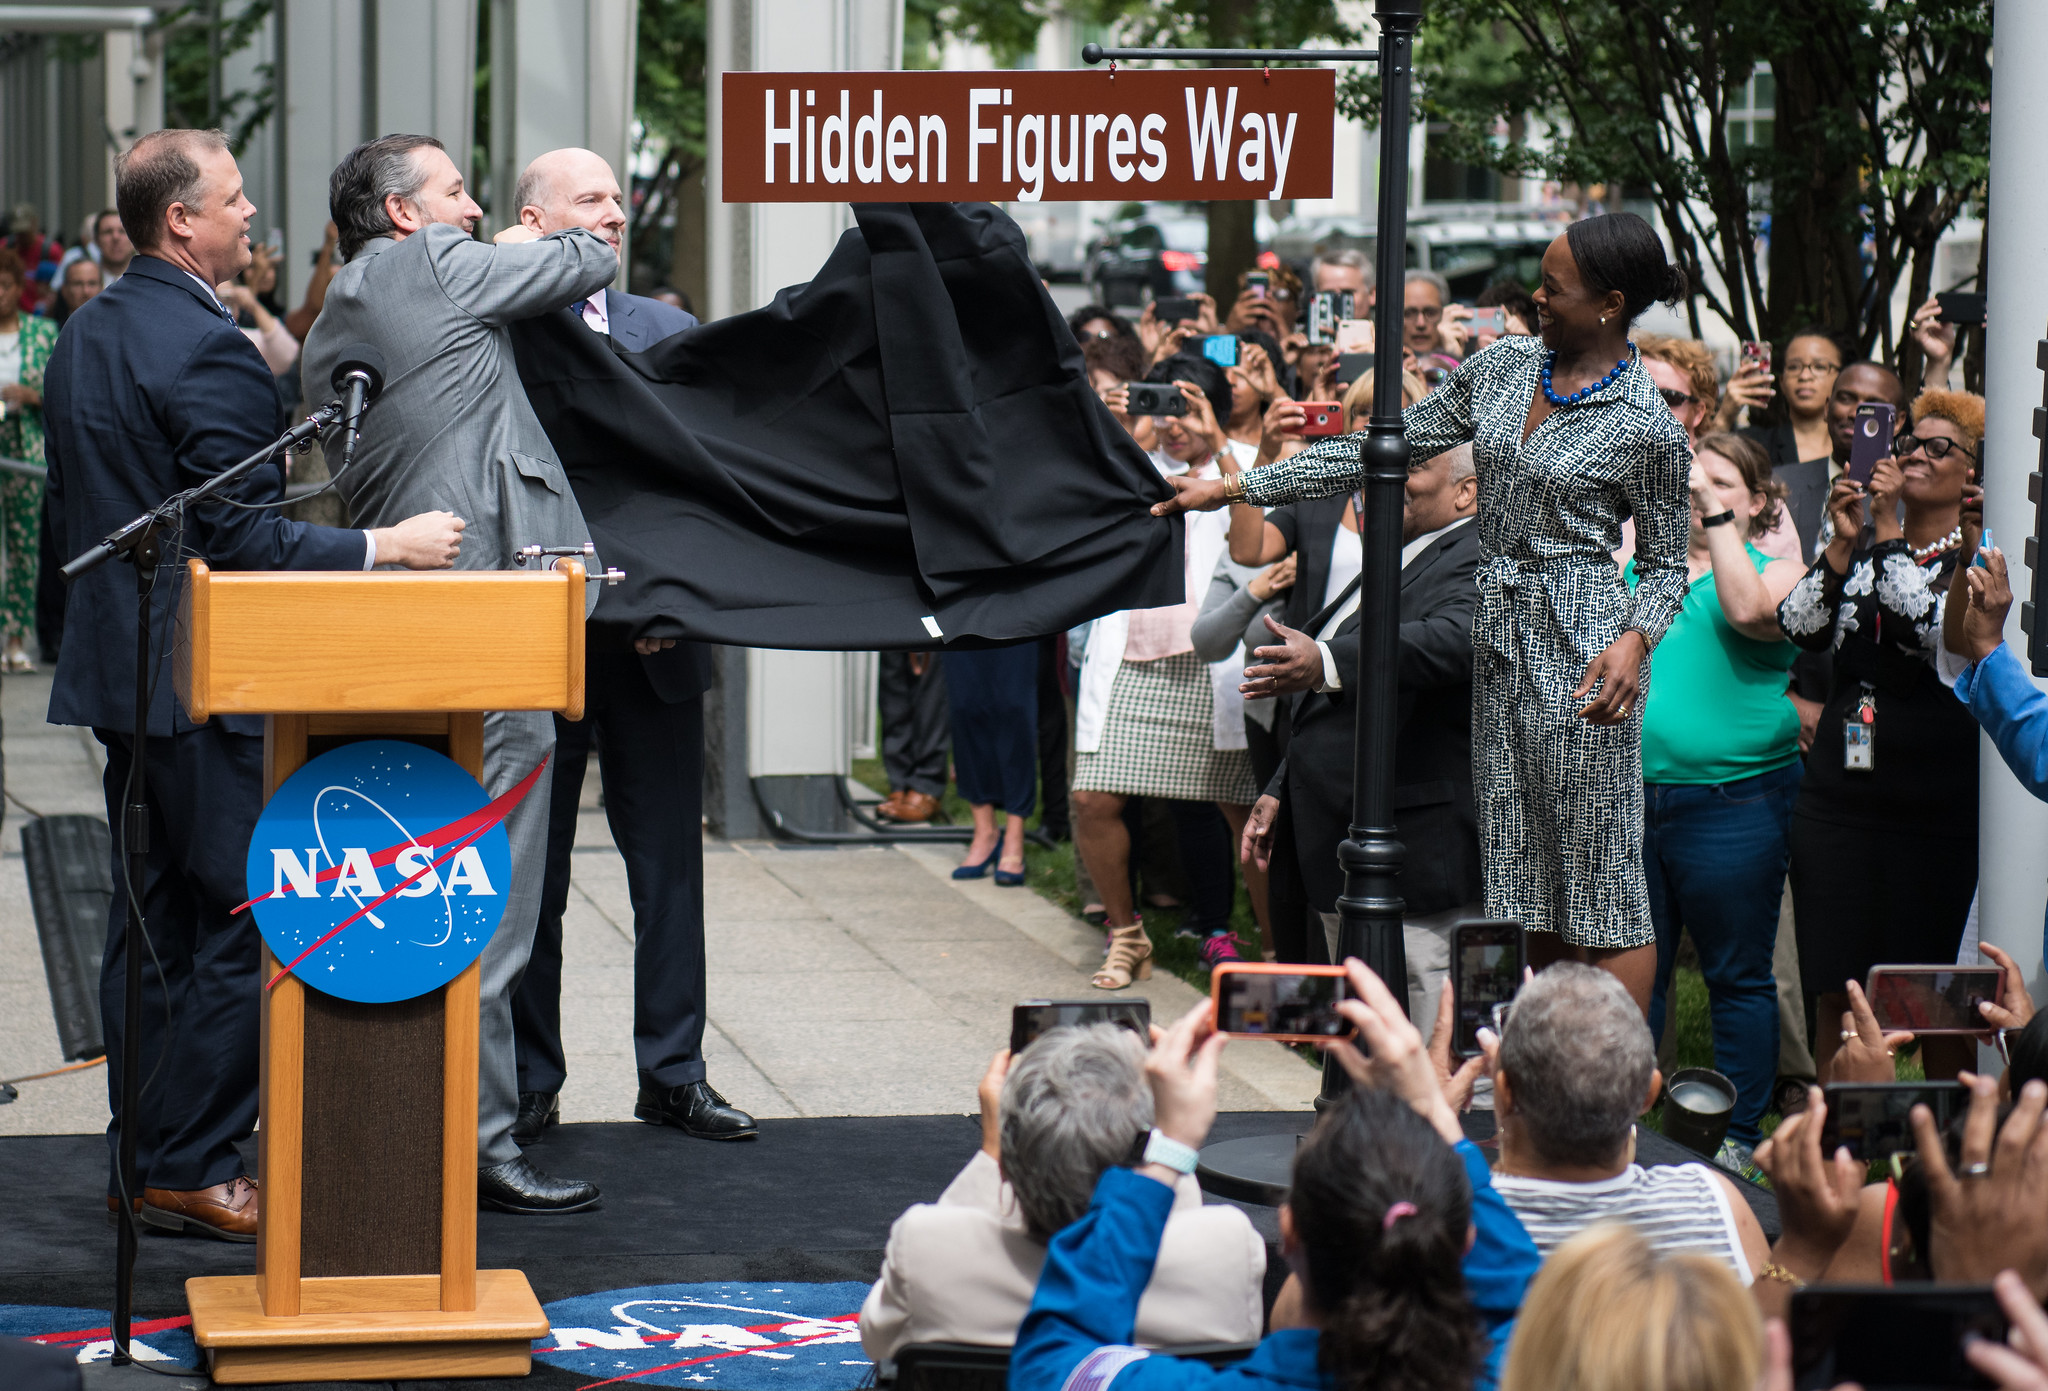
1885	598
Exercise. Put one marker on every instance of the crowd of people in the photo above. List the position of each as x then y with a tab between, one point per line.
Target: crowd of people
1076	1237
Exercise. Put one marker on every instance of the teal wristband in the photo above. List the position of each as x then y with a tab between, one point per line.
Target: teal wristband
1161	1148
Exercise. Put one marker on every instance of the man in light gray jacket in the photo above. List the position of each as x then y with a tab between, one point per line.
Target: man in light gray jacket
453	424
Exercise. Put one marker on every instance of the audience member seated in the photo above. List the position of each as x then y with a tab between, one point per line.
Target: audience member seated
1575	1067
1613	1311
1406	1268
1071	1108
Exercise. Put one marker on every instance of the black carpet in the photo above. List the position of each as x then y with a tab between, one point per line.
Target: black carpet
809	1201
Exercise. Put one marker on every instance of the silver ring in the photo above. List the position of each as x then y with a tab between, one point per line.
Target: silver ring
1976	1171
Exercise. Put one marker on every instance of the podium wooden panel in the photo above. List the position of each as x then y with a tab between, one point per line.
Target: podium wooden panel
366	1242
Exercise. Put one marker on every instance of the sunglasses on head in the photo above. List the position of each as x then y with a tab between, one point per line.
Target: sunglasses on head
1675	398
1937	447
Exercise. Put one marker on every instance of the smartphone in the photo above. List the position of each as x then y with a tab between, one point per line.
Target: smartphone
1932	999
1176	309
1354	336
1221	349
1487	959
1986	544
1872	1118
1030	1018
1294	1004
1353	367
1872	438
1890	1338
1759	353
1322	418
1258	282
1493	321
1156	398
1326	310
1959	307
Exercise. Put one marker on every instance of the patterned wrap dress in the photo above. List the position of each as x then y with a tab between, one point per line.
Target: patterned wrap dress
21	495
1560	800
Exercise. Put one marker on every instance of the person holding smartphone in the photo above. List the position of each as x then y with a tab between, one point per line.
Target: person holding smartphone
1721	771
1884	835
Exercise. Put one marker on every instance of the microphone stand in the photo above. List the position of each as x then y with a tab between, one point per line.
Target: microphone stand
140	544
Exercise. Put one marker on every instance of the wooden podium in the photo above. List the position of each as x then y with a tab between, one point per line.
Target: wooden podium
366	1244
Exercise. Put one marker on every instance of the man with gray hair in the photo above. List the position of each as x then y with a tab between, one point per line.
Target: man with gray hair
454	428
1344	268
1572	1071
1069	1108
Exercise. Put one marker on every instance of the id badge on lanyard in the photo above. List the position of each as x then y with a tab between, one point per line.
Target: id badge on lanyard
1859	734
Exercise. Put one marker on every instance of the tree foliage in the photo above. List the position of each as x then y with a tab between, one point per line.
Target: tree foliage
1881	135
670	98
197	37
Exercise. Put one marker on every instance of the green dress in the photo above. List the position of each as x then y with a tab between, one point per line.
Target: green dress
21	495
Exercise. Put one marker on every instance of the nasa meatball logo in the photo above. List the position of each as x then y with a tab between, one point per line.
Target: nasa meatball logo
781	1336
379	870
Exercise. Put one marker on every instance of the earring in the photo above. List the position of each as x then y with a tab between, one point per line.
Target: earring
1603	318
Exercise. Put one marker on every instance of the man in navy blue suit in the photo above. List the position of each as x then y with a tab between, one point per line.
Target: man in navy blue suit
646	712
151	389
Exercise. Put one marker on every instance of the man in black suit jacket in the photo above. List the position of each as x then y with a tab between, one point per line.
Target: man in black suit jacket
151	390
645	709
1310	796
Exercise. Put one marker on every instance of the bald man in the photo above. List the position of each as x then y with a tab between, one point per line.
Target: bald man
646	715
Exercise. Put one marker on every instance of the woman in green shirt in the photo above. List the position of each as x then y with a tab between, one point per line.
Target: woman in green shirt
1721	772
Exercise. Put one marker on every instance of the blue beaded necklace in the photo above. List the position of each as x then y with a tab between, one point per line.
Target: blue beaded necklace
1550	394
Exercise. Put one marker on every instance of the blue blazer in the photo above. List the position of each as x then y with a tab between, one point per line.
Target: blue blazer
682	672
151	389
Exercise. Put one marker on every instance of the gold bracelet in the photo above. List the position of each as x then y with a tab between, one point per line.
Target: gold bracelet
1771	1270
1233	487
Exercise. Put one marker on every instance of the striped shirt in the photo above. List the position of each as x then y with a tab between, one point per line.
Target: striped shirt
1677	1207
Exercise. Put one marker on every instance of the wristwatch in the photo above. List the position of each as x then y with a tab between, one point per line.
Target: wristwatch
1719	518
1161	1148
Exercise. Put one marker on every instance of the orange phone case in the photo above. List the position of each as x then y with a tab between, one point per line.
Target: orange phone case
1267	968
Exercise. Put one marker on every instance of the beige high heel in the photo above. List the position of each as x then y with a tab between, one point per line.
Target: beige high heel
1130	958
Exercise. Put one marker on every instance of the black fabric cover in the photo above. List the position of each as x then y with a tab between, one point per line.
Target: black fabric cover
910	435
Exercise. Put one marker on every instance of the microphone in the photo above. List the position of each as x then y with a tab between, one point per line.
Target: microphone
358	378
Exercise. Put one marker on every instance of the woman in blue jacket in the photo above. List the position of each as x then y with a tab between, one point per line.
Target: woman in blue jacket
1995	686
1407	1268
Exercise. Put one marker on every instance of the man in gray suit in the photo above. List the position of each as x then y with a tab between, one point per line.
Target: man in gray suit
454	425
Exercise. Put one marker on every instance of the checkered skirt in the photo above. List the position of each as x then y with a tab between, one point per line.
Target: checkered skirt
1158	738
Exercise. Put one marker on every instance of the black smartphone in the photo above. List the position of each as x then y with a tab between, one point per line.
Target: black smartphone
1891	1338
1156	398
1872	438
1932	999
1324	310
1221	349
1353	367
1030	1018
1873	1118
1486	966
1961	307
1176	309
1294	1004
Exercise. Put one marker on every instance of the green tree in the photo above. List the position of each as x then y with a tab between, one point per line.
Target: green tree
670	100
1880	140
198	36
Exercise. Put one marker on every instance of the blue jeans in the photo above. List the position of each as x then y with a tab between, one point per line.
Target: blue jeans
1715	860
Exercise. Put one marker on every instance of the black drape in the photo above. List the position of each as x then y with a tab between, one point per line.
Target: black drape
902	453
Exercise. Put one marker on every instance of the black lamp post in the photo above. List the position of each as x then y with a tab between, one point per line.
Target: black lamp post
1258	1169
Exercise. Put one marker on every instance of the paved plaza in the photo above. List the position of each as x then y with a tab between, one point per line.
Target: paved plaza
843	982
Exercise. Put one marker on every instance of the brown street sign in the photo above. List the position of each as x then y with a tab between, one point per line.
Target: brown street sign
1028	137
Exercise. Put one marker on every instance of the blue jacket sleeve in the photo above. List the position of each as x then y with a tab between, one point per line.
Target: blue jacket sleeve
1500	1265
2013	711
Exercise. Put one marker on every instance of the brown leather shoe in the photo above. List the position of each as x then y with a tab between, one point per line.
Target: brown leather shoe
907	804
226	1211
114	1209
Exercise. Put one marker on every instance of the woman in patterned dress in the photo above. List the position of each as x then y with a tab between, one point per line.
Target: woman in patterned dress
1570	437
25	343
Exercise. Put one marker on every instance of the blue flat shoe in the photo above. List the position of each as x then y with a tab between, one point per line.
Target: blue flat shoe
980	870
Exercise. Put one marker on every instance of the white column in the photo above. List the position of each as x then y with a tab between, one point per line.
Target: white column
2013	845
326	97
426	72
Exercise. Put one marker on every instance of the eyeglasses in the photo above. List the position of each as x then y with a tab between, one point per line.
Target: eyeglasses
1937	447
1675	398
1812	369
1422	313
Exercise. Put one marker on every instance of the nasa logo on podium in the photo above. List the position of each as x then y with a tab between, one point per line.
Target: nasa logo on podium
379	870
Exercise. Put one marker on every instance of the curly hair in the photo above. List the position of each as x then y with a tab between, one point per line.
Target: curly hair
1382	1208
1689	356
1962	409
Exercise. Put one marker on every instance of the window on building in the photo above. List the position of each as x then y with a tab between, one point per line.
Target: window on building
1448	181
1752	110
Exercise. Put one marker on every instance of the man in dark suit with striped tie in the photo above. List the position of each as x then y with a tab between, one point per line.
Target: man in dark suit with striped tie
151	390
646	715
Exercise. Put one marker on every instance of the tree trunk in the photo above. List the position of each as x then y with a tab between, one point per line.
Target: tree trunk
1233	236
1816	272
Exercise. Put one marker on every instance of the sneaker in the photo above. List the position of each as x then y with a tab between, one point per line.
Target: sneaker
1218	948
1734	1156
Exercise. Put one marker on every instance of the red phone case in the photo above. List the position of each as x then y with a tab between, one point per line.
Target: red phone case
1322	418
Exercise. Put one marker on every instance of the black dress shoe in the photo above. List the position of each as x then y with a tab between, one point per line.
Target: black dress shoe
537	1112
516	1186
695	1109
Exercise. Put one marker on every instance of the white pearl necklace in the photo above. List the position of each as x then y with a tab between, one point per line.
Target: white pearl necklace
1924	554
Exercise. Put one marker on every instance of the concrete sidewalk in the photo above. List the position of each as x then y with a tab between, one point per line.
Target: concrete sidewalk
843	981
